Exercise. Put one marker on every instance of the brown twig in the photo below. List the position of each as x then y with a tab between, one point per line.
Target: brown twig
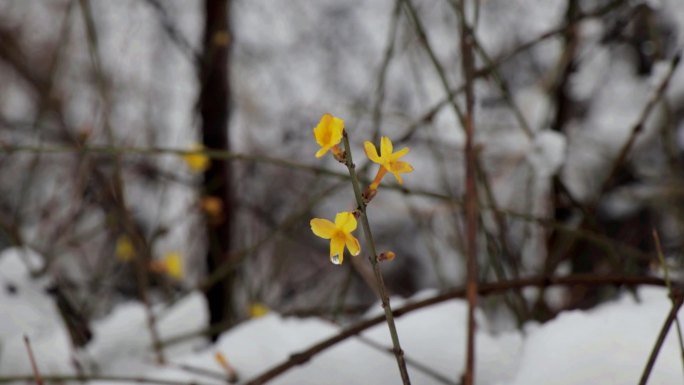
639	125
677	301
382	72
471	198
668	282
34	366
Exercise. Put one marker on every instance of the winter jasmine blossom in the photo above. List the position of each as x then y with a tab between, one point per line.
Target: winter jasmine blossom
328	135
339	234
388	160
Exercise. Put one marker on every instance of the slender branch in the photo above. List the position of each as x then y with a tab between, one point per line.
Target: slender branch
382	72
422	35
639	125
34	366
677	301
398	352
471	197
661	257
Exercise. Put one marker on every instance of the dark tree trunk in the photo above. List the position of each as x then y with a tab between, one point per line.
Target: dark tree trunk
214	106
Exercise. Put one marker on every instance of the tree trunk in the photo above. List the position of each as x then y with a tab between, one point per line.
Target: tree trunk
214	106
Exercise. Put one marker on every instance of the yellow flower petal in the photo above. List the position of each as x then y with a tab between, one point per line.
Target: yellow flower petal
371	152
387	160
322	152
328	133
339	234
398	177
402	167
352	244
337	249
400	153
345	221
323	228
385	148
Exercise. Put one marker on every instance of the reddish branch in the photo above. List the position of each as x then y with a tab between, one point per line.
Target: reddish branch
34	366
471	199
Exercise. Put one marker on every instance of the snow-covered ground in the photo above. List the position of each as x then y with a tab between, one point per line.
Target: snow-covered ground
607	345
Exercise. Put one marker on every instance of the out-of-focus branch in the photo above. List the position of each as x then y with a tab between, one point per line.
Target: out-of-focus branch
472	212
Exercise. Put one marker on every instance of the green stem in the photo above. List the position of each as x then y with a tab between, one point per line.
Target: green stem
398	352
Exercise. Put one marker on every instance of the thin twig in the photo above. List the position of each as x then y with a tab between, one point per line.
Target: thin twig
471	208
422	35
666	270
417	365
119	200
382	72
639	125
34	366
398	352
677	301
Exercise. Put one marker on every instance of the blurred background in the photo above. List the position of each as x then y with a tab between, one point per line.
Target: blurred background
579	131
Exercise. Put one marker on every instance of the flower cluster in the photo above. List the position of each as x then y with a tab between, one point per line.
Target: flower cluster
328	134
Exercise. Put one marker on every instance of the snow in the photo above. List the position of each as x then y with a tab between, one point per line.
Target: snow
547	154
608	344
27	310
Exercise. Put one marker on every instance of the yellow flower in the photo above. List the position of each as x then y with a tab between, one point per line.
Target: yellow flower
197	161
171	265
328	134
339	234
257	309
124	249
388	160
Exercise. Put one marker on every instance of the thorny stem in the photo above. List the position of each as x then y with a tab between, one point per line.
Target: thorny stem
398	352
